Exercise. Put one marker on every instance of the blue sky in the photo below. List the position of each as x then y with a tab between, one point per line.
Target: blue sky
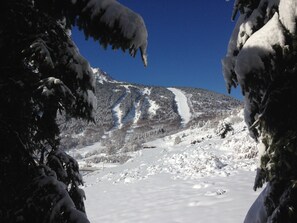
187	40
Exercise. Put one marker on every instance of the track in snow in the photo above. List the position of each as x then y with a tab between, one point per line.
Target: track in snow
182	105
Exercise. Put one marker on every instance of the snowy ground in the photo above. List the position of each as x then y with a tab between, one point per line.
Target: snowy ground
202	179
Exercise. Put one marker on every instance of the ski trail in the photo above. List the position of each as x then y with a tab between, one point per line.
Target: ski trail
182	105
117	112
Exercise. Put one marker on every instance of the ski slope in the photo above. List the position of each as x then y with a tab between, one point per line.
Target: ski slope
182	105
202	179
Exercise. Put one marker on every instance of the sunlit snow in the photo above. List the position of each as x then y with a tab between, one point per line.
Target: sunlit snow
204	178
153	107
182	105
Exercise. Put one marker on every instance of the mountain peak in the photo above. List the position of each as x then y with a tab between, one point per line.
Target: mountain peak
101	76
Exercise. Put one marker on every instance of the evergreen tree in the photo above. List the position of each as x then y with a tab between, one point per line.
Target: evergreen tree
42	73
262	59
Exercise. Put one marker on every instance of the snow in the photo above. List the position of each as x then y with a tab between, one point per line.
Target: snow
146	91
257	47
202	179
244	29
130	24
288	14
99	77
257	212
182	105
118	114
164	200
137	113
251	44
116	110
102	77
153	107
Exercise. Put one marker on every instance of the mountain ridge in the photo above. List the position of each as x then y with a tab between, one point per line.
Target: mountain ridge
136	113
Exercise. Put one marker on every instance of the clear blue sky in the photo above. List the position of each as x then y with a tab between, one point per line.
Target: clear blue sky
187	40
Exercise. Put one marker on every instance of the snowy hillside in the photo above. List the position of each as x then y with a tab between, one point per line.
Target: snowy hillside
130	114
194	175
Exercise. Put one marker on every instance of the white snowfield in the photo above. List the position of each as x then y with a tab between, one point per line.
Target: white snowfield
182	105
202	179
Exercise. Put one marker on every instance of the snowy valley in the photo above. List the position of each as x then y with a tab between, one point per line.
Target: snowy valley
199	169
194	175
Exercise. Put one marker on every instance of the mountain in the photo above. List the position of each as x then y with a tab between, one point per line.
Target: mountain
130	114
157	154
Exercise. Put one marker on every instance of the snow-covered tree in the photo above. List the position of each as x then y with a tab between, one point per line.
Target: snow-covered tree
224	128
262	59
42	73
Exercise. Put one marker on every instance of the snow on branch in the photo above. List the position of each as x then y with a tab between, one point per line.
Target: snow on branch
114	24
258	46
51	194
250	21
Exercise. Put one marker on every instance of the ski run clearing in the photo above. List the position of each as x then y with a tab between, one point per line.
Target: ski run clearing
199	178
182	105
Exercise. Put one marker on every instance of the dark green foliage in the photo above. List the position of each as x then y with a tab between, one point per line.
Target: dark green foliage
42	74
47	199
243	6
281	202
271	104
35	68
67	171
